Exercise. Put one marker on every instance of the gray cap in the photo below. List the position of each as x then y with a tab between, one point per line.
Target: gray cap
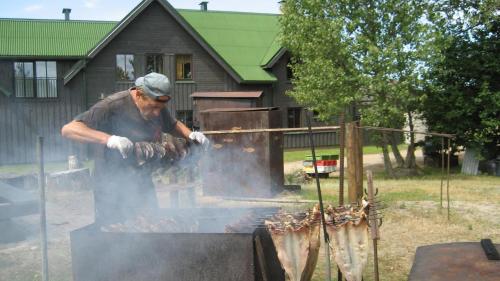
154	85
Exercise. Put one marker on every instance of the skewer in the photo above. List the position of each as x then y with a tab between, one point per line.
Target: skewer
275	130
316	175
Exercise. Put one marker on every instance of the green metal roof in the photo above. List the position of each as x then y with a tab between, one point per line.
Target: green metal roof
241	39
50	38
245	41
274	48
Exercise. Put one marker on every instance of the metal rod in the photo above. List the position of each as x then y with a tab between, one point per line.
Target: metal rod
375	264
322	128
442	171
268	200
318	186
43	218
284	130
408	131
448	178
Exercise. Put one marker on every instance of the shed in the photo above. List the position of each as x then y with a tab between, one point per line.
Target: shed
211	100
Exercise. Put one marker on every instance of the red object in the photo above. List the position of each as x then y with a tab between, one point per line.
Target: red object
326	162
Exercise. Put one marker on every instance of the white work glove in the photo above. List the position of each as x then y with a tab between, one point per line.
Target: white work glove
122	144
200	138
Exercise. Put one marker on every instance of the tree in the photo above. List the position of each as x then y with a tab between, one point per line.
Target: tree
354	50
464	98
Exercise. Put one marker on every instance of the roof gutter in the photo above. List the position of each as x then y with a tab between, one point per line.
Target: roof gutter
41	57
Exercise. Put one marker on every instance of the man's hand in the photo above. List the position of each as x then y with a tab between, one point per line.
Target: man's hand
200	138
122	144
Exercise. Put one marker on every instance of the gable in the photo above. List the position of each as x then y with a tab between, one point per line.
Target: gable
241	39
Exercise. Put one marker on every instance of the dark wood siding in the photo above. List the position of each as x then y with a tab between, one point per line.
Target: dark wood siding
23	119
301	140
154	31
280	98
283	101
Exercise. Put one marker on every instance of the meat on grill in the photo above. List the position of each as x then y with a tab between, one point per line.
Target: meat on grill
169	148
245	224
145	223
347	228
297	242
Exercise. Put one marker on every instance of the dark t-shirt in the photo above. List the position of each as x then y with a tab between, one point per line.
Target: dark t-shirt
121	184
118	115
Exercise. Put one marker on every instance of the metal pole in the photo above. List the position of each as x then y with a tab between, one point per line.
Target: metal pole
43	219
408	131
375	264
323	219
448	178
442	171
273	130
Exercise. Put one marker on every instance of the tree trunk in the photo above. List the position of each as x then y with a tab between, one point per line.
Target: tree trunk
387	160
395	150
410	162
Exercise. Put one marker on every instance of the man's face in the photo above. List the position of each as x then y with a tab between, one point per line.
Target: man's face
149	107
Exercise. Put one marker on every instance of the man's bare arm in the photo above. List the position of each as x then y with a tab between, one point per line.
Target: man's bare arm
78	131
181	130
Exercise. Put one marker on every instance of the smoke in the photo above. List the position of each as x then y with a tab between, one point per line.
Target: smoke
240	165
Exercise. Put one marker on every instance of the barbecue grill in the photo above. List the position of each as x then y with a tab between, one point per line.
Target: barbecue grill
207	253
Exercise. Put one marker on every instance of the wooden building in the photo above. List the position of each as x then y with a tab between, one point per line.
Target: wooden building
52	70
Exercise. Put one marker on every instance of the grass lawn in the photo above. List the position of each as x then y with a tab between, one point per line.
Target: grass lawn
300	154
413	216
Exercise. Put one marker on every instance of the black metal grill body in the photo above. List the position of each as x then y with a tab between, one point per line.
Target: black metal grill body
211	255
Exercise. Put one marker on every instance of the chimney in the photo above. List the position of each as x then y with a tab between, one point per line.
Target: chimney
66	12
204	5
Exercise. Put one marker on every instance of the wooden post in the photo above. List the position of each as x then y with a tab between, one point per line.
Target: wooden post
191	182
374	222
341	158
354	162
174	194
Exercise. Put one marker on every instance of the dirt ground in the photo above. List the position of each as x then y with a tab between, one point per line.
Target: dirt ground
70	209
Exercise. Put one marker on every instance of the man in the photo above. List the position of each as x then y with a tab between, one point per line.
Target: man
139	115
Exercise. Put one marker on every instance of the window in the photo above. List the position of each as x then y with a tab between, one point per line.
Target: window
35	79
186	117
125	68
293	117
154	63
316	116
289	72
183	67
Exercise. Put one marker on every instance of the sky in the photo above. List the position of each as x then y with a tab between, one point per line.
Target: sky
115	10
